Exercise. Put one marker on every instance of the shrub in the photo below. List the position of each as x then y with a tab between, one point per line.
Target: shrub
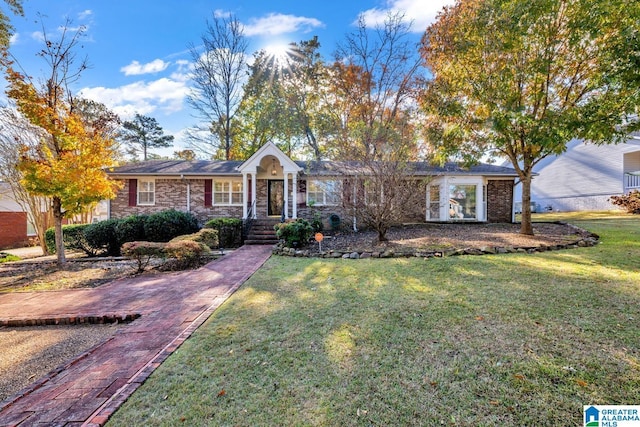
143	252
294	233
207	236
5	257
316	222
131	229
187	253
102	236
229	231
629	202
73	237
164	226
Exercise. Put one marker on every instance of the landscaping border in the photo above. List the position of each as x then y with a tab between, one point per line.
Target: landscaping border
585	239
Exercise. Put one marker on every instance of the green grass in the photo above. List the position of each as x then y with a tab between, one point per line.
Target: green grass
5	257
472	341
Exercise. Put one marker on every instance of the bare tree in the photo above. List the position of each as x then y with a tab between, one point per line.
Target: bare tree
374	83
218	74
16	130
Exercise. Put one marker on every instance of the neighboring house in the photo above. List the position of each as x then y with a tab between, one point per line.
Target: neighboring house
270	184
14	227
585	176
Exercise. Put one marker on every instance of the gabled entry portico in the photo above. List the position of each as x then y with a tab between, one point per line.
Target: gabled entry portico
274	169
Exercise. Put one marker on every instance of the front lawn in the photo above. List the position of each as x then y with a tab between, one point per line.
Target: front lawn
490	340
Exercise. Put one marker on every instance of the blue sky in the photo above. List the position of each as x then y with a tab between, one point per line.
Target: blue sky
139	49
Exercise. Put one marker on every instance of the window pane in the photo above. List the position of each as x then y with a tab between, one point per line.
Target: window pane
434	202
462	202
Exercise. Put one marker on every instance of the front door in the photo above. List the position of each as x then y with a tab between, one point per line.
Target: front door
276	197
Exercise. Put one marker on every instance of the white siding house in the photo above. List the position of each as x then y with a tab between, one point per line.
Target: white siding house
585	176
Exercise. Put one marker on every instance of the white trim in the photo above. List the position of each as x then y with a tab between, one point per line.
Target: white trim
139	190
228	193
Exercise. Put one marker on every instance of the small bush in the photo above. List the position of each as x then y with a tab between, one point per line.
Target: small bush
207	236
294	233
229	231
143	252
629	202
316	222
164	226
102	236
5	257
187	253
131	229
73	237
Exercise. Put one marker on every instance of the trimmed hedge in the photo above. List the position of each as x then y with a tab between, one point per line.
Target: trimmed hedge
102	236
207	236
131	228
187	253
143	252
229	231
164	226
73	237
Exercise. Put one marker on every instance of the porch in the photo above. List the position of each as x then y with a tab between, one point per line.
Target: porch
631	165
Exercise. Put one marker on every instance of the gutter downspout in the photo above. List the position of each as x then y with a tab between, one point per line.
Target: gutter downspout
188	183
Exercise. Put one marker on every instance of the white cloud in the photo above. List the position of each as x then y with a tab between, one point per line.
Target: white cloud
38	36
15	38
136	68
219	13
422	13
142	97
85	14
276	23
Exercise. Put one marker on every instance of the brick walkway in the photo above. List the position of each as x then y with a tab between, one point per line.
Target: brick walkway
90	388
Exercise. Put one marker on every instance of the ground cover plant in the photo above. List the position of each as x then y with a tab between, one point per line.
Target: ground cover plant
512	339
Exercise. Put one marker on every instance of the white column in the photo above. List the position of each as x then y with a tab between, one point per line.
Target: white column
253	194
295	195
286	195
245	194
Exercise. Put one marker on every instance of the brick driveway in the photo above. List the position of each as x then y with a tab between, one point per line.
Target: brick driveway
90	388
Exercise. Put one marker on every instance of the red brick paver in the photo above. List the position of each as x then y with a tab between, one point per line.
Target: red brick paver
91	387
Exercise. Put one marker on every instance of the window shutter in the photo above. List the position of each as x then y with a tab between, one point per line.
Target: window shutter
133	192
207	192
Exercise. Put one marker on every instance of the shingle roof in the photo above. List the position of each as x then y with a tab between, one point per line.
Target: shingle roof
178	167
311	168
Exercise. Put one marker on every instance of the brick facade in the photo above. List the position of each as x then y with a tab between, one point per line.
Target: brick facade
13	229
172	194
499	200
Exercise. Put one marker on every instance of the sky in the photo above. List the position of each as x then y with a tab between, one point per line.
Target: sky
139	50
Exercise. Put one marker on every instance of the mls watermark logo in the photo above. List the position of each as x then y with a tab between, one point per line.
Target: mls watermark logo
611	415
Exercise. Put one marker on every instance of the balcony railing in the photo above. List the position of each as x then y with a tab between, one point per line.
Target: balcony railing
631	182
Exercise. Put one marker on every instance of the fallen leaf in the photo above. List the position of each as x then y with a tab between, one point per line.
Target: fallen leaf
519	376
433	384
222	393
479	317
494	402
582	383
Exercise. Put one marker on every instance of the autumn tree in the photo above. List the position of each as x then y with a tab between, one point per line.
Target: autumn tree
219	66
521	78
5	25
143	133
373	84
184	155
67	163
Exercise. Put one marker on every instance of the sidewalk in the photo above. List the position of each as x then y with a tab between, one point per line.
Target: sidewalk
171	306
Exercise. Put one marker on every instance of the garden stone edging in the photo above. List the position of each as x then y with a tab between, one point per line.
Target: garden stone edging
586	239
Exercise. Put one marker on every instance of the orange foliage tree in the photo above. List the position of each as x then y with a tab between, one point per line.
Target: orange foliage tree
67	163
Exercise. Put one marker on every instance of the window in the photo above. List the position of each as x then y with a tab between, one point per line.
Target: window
323	192
373	194
146	192
462	201
227	192
434	202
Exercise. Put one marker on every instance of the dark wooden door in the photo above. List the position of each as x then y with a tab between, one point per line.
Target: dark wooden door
276	197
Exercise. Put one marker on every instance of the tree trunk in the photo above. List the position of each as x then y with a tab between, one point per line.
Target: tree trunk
57	215
526	227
